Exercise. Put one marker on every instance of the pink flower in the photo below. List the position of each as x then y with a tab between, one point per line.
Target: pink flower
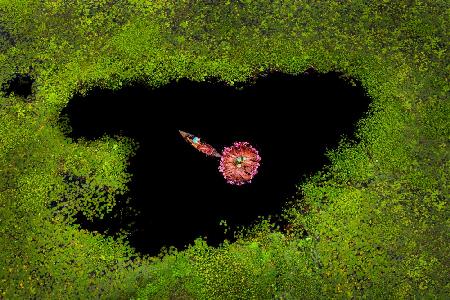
239	163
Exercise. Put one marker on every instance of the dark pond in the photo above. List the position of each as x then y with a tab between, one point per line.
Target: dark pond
20	85
290	120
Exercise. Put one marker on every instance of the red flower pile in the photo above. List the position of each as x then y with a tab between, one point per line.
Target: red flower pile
239	163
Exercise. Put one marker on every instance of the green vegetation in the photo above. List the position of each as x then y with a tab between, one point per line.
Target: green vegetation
377	214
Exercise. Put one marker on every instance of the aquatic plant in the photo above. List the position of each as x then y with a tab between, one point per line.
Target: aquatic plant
239	163
377	217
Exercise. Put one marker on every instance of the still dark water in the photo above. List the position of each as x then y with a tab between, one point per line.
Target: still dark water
20	85
290	120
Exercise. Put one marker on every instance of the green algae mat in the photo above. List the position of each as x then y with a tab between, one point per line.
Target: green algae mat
376	214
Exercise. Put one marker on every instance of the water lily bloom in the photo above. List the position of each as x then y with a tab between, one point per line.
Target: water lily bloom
239	163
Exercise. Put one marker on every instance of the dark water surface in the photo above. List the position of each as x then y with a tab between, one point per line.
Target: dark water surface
181	195
20	85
